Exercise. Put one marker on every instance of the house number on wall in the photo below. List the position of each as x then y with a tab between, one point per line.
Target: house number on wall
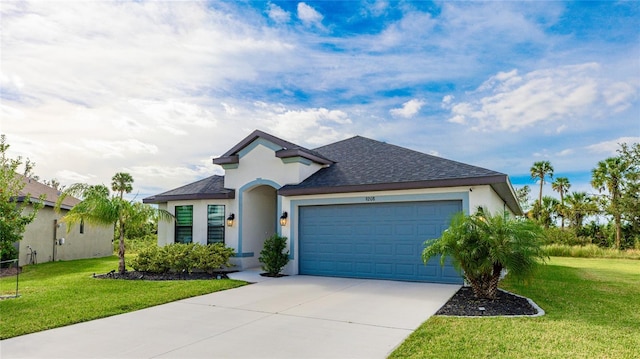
370	199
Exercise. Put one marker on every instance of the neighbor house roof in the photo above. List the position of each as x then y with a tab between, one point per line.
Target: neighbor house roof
34	189
288	150
362	164
208	188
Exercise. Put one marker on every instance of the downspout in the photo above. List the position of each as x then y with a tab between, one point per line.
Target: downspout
55	235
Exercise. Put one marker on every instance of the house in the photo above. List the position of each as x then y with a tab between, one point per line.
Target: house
355	208
46	239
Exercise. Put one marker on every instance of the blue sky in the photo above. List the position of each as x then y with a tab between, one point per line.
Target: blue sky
158	89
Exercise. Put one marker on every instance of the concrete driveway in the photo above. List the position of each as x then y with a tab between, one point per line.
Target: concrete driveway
289	317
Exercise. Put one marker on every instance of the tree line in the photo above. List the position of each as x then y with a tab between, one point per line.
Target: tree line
616	181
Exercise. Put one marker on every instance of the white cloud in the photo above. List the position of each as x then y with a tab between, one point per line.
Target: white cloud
511	102
309	16
278	14
408	109
610	147
311	127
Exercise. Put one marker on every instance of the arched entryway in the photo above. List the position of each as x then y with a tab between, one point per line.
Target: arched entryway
259	220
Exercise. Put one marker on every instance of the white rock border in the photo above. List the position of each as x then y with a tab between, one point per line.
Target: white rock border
540	313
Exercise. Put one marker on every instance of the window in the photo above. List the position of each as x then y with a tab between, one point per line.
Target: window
215	223
81	226
184	224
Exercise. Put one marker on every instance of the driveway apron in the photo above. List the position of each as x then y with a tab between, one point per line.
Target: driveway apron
288	317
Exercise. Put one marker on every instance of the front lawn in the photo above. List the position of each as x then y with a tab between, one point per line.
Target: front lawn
592	311
56	294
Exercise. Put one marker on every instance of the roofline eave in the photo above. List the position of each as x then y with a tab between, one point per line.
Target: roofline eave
193	196
452	182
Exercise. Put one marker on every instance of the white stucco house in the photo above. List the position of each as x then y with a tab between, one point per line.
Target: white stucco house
355	208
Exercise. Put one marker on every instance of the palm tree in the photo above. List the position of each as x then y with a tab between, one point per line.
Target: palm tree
561	185
122	183
98	207
579	205
539	171
609	175
482	245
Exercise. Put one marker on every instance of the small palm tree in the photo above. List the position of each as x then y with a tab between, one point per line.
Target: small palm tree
561	185
539	171
98	207
482	245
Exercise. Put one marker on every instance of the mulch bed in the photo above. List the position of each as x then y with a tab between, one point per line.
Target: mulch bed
464	303
135	275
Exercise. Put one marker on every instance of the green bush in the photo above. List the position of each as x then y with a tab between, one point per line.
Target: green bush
179	257
554	235
273	255
137	244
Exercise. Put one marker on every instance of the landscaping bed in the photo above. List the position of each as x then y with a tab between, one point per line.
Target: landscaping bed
137	275
464	303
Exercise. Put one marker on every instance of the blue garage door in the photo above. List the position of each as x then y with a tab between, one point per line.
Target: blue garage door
377	240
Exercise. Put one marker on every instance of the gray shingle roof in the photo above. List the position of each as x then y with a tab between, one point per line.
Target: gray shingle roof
208	188
34	189
356	164
362	162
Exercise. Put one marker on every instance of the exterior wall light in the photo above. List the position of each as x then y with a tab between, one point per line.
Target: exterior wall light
230	220
283	219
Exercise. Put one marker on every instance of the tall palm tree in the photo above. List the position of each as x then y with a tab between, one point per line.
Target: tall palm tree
482	245
609	174
579	205
99	207
122	183
561	185
539	171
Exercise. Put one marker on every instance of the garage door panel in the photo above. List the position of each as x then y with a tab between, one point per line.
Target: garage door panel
374	240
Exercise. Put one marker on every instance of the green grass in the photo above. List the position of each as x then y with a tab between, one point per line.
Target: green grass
592	311
62	293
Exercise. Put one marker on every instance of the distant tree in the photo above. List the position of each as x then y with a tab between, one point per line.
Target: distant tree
539	171
630	193
54	183
609	175
522	194
17	210
546	212
99	207
579	205
482	245
561	185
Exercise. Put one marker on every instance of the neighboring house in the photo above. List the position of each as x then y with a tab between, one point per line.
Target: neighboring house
47	236
355	208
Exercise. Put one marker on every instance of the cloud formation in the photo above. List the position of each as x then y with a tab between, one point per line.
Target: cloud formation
509	101
408	109
159	88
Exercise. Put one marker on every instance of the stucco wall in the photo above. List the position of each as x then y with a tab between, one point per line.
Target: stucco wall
93	243
166	229
258	160
258	221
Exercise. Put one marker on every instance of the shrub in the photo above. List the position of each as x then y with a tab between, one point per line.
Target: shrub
179	257
212	257
273	255
568	237
136	244
482	245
